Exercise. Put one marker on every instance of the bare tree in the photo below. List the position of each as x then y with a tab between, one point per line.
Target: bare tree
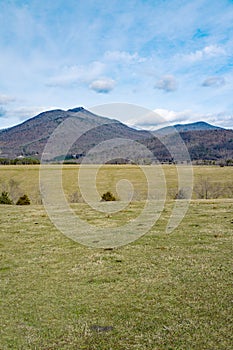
204	189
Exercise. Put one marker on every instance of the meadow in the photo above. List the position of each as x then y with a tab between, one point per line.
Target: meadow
163	291
19	179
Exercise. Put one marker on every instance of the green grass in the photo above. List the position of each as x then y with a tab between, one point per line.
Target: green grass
164	291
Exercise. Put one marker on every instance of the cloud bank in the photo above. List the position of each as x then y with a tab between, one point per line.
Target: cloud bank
163	117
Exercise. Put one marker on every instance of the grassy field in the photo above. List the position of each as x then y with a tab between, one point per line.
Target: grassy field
164	291
25	179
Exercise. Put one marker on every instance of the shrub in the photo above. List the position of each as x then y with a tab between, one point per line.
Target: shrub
107	197
23	200
4	198
183	193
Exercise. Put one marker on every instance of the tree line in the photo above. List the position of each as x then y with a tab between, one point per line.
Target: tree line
19	161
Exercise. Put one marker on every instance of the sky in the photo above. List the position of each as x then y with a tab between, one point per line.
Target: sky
174	57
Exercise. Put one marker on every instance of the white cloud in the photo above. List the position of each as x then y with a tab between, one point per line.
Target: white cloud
146	120
163	117
18	115
5	99
213	81
77	74
222	119
123	56
167	83
103	86
206	52
170	116
29	111
158	118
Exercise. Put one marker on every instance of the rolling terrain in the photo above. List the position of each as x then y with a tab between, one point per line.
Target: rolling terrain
203	141
30	137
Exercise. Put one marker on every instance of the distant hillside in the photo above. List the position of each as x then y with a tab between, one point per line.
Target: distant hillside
186	127
203	141
213	144
29	138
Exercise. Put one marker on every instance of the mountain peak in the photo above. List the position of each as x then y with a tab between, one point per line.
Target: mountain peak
200	125
75	110
196	126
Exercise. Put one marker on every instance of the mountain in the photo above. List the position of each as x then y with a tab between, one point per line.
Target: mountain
186	127
203	141
212	144
206	145
29	138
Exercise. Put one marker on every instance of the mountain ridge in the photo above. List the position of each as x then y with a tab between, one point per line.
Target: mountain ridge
200	125
28	139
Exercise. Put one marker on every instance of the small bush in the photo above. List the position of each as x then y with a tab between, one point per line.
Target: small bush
23	200
107	197
4	198
182	194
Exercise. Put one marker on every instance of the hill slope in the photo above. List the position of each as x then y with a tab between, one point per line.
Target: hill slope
30	137
203	141
197	126
213	144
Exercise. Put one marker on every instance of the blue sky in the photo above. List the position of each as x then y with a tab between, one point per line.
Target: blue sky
171	56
